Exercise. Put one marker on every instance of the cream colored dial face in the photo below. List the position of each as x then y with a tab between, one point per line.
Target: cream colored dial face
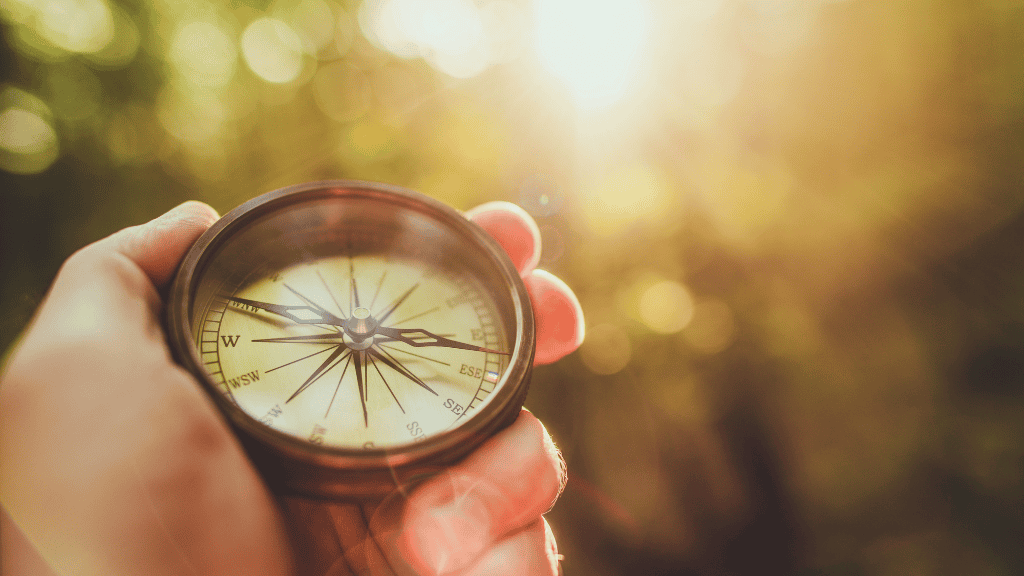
356	352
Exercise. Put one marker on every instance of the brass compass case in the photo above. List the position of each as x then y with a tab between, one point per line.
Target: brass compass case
357	336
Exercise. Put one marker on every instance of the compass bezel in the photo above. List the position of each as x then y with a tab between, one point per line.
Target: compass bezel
293	465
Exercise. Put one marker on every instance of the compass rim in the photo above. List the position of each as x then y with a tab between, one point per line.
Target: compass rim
333	472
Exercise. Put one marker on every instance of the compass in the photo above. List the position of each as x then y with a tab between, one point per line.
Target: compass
357	336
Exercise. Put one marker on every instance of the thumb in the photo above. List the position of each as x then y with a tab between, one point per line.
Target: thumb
110	286
158	246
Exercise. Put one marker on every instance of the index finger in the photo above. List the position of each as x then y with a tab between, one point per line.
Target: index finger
559	317
514	229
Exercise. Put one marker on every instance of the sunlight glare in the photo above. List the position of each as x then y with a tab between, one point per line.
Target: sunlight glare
595	48
448	34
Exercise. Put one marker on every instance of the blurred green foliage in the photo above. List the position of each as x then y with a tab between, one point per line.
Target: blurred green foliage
794	230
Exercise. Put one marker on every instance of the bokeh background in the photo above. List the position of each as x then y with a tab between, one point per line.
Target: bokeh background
795	228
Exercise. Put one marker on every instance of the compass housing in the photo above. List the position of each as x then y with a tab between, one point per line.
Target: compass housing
308	222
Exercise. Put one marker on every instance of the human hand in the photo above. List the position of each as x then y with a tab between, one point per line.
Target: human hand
115	462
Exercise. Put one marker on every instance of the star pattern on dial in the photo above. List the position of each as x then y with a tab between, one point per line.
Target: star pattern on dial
357	338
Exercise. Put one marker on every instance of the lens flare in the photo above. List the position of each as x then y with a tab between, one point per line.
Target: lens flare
76	25
28	143
666	307
272	50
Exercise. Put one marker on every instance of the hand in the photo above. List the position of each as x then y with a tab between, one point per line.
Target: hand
113	460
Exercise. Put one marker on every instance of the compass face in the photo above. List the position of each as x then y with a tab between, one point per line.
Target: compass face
356	320
323	383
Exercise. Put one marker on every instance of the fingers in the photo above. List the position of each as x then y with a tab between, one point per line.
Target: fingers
453	519
559	317
158	246
530	552
514	229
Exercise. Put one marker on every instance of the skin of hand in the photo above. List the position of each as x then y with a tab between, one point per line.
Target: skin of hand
114	461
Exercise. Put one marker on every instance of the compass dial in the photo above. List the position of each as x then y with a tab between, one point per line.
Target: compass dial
354	334
350	380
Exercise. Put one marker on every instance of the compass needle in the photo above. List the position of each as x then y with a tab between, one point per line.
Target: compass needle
390	348
409	336
298	314
304	339
329	318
